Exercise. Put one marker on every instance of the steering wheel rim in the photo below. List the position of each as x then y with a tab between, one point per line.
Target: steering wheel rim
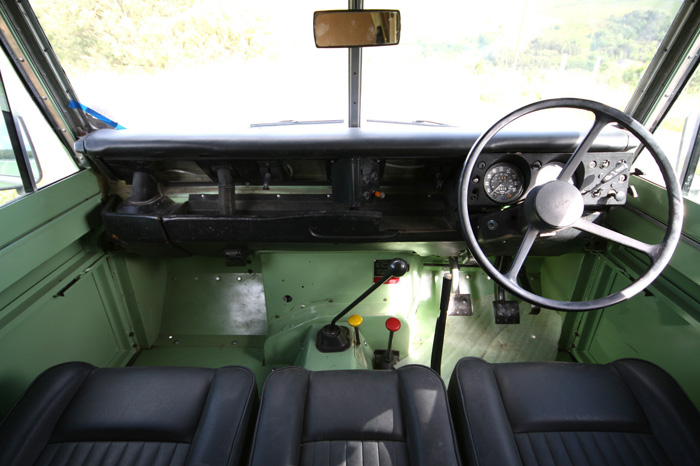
660	254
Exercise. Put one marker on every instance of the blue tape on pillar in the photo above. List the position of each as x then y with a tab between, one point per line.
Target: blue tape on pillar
89	111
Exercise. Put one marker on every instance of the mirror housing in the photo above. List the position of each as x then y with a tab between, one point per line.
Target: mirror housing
356	28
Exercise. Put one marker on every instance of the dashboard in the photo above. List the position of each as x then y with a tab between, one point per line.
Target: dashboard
179	194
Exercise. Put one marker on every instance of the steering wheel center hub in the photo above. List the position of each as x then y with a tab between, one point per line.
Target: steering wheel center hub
555	205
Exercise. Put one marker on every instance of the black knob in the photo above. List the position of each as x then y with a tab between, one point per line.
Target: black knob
398	267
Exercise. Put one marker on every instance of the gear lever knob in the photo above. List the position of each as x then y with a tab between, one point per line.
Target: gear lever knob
398	268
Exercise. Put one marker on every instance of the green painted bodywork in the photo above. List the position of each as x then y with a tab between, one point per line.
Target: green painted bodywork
70	298
57	302
661	325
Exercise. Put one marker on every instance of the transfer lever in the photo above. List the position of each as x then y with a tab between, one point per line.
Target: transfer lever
333	338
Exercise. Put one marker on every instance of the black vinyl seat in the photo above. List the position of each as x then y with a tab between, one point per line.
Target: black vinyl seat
77	414
354	418
628	412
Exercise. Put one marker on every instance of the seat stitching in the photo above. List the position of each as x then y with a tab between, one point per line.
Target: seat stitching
155	455
92	446
532	449
72	452
620	457
583	449
646	447
602	453
138	455
566	449
53	455
626	436
121	455
645	441
172	455
549	447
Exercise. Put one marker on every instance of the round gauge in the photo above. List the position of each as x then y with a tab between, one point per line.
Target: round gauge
550	172
503	183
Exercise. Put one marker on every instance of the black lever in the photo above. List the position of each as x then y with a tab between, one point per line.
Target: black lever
331	338
439	340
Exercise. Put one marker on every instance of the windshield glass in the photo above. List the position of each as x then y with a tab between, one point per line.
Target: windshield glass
221	64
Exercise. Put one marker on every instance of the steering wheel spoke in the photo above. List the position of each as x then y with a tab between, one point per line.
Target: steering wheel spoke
576	158
519	259
651	250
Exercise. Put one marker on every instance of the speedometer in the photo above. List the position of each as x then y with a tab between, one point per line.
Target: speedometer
503	183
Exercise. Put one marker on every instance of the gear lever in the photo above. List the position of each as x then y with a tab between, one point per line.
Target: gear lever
385	359
332	338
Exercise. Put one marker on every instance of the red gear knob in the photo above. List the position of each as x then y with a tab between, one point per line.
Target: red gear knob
393	324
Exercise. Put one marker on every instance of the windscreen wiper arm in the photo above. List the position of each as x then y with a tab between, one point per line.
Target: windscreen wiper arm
414	122
296	122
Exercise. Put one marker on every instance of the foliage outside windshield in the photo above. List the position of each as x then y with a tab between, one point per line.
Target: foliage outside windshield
220	64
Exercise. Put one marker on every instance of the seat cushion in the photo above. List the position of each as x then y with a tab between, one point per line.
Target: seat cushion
625	412
75	413
382	418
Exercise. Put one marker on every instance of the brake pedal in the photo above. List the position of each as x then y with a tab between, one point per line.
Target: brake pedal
506	312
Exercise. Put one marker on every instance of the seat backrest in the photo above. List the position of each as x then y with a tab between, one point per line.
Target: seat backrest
396	417
625	412
77	414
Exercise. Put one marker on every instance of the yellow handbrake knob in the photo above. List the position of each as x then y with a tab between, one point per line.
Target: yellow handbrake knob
355	320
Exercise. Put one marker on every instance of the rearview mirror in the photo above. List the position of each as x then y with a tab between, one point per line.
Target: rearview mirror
356	28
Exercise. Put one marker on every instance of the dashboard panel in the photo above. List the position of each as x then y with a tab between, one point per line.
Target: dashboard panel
506	179
179	194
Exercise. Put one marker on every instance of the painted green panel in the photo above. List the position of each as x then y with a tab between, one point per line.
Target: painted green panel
142	283
26	254
654	329
36	209
559	275
683	268
653	201
304	288
294	282
53	264
53	330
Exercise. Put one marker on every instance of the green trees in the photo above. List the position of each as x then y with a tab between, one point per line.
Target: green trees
149	34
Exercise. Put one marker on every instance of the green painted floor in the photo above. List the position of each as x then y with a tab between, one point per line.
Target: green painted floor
534	339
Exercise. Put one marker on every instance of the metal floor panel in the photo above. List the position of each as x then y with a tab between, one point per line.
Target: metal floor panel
214	304
534	339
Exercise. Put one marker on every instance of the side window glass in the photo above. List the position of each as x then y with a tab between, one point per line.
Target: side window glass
678	137
35	141
11	185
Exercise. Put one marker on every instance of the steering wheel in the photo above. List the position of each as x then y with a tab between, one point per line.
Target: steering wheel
558	205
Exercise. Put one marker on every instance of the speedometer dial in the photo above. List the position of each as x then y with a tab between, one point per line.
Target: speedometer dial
503	183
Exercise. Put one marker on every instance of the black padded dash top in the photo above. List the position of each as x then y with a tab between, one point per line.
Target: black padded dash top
628	412
75	413
354	418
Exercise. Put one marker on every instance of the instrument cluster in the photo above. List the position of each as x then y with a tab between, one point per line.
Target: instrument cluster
506	179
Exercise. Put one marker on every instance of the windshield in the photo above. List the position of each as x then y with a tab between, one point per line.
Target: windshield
223	64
